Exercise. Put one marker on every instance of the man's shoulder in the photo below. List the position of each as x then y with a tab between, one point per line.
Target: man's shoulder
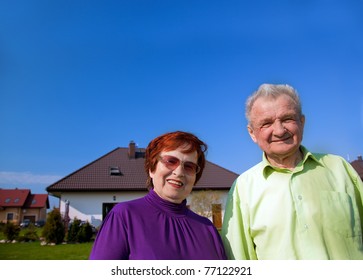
252	172
327	159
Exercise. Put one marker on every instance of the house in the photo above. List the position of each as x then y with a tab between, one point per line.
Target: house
358	166
17	205
90	192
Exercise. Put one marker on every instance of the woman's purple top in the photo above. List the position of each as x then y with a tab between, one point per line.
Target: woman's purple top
151	228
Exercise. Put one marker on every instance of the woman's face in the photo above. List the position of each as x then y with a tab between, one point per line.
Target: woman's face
174	185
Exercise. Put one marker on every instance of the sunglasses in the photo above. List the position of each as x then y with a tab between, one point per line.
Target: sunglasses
172	163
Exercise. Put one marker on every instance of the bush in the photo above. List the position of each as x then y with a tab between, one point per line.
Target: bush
53	230
80	231
11	231
30	234
85	233
73	231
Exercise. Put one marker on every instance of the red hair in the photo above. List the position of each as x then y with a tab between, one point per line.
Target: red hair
172	141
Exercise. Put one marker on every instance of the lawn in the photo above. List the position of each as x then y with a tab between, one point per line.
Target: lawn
35	251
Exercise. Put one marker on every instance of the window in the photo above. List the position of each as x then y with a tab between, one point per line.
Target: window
7	200
10	216
16	200
115	171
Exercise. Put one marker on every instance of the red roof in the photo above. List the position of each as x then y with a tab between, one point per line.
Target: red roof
37	201
22	198
129	174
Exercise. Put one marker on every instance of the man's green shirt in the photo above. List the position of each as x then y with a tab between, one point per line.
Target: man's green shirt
312	212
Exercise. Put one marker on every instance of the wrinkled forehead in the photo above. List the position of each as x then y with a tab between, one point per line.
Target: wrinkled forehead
268	108
281	102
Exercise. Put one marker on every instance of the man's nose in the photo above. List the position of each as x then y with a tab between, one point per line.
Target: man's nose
279	128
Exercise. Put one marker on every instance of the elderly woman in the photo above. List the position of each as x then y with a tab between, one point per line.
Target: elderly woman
159	226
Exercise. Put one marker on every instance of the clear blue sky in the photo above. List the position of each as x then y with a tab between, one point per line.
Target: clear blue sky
80	78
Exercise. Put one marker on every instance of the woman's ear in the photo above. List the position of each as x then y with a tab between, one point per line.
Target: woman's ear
151	174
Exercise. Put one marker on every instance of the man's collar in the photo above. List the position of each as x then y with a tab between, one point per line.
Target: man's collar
267	168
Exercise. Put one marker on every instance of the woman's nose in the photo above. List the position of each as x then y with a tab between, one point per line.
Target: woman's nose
179	170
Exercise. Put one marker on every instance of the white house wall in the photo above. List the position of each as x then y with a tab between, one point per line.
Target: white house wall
88	206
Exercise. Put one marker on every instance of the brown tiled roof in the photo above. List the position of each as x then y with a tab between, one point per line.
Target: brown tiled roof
216	177
358	166
96	175
22	198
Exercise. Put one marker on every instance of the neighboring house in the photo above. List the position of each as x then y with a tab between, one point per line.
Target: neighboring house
358	166
90	192
17	205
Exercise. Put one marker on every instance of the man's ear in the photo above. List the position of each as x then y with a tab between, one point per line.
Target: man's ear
302	120
251	133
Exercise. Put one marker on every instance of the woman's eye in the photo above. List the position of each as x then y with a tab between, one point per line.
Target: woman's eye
188	167
172	161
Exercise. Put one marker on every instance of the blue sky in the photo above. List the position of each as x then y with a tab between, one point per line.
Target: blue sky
80	78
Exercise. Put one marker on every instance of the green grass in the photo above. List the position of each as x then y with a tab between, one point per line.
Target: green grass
35	251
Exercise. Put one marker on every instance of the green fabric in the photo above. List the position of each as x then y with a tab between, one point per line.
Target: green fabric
312	212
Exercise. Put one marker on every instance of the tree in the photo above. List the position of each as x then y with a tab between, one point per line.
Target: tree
53	230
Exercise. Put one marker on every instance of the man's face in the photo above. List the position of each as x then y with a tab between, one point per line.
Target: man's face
276	126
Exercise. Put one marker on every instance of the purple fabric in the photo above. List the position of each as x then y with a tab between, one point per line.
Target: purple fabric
151	228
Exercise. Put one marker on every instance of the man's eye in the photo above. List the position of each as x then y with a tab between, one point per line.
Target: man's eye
288	120
265	125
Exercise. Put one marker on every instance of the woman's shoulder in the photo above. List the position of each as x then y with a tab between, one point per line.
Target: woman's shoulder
129	205
198	218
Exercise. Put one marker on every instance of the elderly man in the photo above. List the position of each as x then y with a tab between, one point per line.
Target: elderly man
294	204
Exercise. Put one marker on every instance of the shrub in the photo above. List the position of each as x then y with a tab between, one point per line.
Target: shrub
11	231
30	234
85	233
53	230
80	231
73	231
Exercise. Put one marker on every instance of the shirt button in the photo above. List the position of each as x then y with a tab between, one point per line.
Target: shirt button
299	197
306	226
